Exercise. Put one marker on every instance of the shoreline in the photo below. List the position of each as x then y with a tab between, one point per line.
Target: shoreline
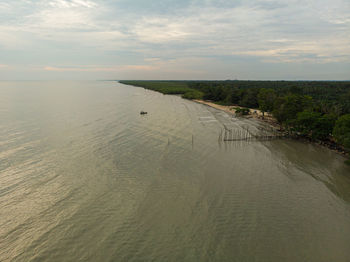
257	114
253	113
267	118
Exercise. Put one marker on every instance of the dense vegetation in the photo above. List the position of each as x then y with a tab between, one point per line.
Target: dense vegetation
312	109
168	88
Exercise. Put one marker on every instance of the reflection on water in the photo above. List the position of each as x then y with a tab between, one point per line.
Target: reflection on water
84	177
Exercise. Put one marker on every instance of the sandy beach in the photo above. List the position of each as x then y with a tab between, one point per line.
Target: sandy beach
254	113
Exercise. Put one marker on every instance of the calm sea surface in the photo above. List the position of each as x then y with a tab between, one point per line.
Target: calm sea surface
85	177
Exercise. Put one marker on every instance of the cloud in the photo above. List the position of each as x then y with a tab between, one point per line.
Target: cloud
146	36
150	69
72	3
159	30
63	14
4	6
100	68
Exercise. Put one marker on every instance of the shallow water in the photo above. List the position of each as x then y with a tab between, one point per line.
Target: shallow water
85	177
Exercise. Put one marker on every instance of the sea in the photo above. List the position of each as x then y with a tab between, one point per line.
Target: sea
85	177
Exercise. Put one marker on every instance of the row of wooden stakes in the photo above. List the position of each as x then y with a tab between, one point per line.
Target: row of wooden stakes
244	134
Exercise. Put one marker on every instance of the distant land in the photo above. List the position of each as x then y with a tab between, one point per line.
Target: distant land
315	110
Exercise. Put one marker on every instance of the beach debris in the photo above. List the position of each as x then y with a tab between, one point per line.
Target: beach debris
247	134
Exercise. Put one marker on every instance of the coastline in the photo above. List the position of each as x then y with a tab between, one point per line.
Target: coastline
269	119
253	113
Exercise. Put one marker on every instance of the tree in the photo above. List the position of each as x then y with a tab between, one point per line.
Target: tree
341	130
305	122
249	98
314	124
242	111
236	96
286	108
193	94
266	100
323	127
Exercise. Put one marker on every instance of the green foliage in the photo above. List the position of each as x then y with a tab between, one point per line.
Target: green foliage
218	93
341	130
286	108
165	87
266	99
242	111
250	98
168	87
322	127
193	94
305	121
314	124
330	97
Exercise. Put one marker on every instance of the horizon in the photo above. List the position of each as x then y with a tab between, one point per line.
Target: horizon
169	80
259	40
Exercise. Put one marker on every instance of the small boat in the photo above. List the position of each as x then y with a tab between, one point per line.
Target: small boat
143	113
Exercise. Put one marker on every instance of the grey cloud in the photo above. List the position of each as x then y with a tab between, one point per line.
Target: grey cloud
234	34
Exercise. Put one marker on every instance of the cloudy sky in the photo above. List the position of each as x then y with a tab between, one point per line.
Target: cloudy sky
183	39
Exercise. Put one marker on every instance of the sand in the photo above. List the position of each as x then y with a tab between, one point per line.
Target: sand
254	113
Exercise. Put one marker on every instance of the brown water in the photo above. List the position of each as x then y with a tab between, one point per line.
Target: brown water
84	177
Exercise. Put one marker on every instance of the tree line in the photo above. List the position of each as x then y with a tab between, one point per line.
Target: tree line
318	110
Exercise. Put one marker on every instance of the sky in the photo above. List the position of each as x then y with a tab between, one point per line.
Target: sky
182	39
